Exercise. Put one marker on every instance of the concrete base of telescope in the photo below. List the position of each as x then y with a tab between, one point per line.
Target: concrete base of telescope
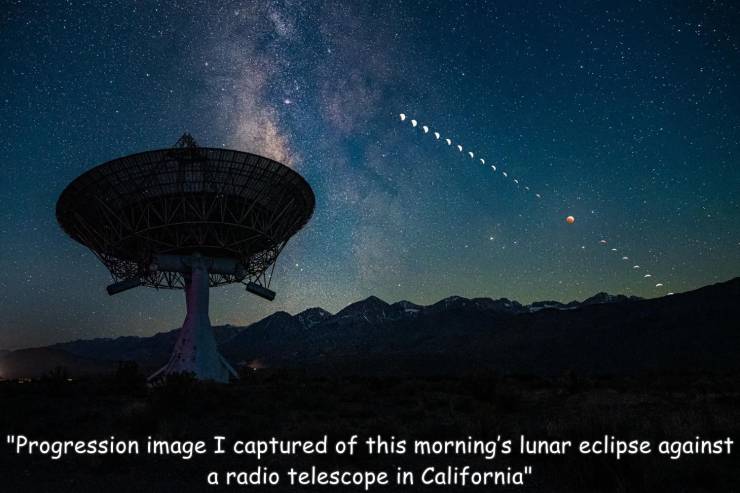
196	351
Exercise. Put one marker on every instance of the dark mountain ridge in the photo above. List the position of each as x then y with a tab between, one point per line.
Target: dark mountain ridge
603	334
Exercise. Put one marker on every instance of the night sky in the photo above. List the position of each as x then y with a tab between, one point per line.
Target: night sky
624	115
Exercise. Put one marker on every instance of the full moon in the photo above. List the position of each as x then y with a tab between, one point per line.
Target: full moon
570	219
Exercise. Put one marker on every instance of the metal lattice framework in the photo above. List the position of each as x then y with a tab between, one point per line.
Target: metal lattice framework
186	200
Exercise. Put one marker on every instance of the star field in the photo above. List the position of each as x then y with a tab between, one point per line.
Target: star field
627	113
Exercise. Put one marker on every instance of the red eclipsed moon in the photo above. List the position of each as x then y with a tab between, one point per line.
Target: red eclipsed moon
570	219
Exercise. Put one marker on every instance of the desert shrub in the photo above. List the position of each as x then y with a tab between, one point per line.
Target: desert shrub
128	379
58	375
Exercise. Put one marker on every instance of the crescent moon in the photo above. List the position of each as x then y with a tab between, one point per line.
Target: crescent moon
436	135
449	142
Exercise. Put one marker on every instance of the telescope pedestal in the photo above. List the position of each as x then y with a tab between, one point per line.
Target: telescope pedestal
196	351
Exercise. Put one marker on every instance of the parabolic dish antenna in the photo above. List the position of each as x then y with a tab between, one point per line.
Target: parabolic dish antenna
188	218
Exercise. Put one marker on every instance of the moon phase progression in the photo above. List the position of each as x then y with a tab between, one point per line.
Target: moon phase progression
498	168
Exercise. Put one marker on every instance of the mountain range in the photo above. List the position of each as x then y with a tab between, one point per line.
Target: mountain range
605	334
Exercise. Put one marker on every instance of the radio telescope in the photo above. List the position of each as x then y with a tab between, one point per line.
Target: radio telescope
188	218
